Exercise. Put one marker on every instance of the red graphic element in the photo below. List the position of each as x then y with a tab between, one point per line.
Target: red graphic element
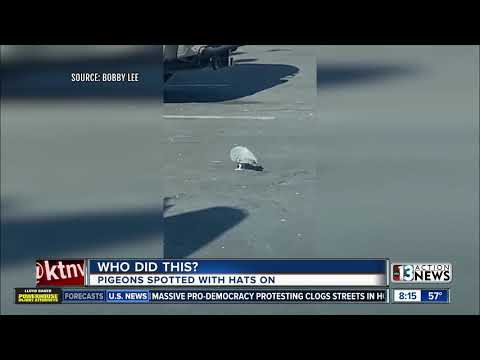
60	273
396	272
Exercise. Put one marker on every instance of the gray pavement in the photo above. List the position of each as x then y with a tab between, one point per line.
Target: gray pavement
372	152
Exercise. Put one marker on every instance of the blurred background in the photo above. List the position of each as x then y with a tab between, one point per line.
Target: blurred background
78	160
44	71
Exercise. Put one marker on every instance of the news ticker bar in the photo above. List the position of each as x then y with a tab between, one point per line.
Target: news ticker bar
212	296
197	296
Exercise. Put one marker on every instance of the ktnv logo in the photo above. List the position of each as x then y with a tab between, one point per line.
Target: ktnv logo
422	272
60	272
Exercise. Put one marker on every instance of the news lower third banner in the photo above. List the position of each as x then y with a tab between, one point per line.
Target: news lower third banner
197	296
207	281
236	273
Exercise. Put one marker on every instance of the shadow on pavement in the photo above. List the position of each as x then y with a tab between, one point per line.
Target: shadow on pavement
188	232
247	60
226	84
29	238
337	75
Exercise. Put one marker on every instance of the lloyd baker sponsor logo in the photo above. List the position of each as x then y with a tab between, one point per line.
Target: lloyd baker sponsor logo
422	272
60	272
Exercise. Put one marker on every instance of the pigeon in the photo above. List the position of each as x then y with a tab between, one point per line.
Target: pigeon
244	159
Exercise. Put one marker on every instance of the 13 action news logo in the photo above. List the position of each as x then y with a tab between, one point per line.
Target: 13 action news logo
422	272
60	272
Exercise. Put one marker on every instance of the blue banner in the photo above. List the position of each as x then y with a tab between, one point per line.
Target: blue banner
238	266
267	296
435	296
128	296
